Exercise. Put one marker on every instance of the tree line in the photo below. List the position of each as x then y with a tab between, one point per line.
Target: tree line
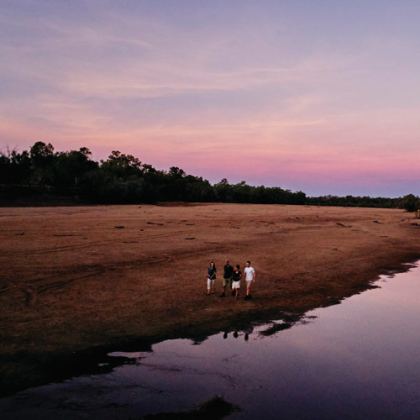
123	178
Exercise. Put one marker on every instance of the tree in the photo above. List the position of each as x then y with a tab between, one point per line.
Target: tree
176	172
15	168
410	202
122	165
42	156
70	167
40	152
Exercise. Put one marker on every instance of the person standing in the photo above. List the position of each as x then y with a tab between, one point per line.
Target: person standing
211	277
236	281
227	277
249	272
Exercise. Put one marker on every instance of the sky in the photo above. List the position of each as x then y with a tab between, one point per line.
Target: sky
319	96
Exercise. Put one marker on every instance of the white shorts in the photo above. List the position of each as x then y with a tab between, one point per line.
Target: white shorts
236	285
210	283
248	282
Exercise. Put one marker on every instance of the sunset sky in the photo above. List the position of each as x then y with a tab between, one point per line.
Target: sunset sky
319	96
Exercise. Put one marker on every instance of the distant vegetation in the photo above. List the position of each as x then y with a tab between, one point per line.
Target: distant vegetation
42	174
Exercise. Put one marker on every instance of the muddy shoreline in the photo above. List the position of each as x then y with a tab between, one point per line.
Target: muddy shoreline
30	369
67	331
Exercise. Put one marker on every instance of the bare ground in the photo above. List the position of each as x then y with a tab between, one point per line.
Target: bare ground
77	278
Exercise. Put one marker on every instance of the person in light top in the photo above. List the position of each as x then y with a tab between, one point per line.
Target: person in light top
249	272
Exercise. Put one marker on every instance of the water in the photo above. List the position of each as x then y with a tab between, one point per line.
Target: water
356	360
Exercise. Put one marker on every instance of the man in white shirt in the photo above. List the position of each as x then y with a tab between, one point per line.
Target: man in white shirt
249	278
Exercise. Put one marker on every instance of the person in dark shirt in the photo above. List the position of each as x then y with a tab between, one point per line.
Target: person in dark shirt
211	277
227	277
236	281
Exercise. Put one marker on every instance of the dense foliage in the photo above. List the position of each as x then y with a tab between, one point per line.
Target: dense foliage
124	178
409	202
121	178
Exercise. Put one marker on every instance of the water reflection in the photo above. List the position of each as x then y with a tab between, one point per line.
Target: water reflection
242	333
359	359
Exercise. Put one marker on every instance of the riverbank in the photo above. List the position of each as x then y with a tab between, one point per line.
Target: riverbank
79	279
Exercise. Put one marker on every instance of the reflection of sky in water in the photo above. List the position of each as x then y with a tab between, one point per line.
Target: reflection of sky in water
359	359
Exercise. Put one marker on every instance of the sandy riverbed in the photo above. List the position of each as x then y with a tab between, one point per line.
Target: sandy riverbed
78	277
